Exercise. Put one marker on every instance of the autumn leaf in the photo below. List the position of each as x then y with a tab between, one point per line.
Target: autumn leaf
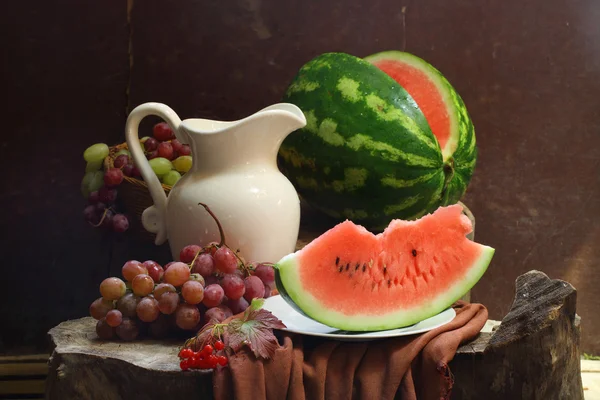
255	330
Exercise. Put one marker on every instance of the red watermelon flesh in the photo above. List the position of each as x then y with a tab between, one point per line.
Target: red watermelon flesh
438	100
350	279
424	92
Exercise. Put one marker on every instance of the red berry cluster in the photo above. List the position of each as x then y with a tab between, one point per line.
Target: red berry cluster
207	358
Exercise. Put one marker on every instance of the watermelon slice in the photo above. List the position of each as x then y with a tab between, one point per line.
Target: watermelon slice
440	103
351	279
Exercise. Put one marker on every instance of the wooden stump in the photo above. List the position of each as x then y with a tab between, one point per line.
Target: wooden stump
532	354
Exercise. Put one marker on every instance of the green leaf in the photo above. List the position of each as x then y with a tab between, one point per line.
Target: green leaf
256	304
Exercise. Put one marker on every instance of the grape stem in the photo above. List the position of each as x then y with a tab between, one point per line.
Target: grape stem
221	233
101	219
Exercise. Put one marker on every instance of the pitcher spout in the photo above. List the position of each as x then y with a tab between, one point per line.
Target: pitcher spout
285	117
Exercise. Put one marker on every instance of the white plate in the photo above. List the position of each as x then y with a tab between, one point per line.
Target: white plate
298	323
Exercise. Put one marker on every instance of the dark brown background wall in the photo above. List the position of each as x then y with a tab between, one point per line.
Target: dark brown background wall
529	73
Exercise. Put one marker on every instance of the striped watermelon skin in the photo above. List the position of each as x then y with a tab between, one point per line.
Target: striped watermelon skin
367	152
463	154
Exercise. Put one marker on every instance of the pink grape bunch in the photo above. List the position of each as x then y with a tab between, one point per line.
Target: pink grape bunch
149	297
153	297
231	284
99	185
207	285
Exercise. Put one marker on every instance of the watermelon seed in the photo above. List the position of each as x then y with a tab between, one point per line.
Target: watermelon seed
347	266
364	267
337	261
357	266
414	253
384	270
341	268
389	283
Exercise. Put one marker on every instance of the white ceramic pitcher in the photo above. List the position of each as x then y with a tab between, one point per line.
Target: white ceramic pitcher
234	172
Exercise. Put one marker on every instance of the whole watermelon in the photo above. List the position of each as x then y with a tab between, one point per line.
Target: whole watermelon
367	152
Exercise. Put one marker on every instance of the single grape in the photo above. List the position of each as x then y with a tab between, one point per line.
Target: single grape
168	265
266	273
104	330
185	150
112	288
142	285
225	260
113	177
94	197
107	195
163	288
123	152
165	150
176	145
233	286
120	223
192	292
183	164
168	302
237	306
106	218
128	170
162	131
91	215
100	207
147	309
132	268
197	278
177	274
187	316
128	330
268	290
135	172
160	328
226	310
204	265
155	270
151	144
160	165
254	288
91	182
187	254
93	166
214	315
100	307
211	280
151	155
114	318
240	273
96	152
213	295
128	304
171	178
121	161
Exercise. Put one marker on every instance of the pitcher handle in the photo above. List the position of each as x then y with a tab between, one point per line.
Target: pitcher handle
154	217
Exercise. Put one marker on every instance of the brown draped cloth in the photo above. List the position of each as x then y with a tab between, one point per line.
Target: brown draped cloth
311	368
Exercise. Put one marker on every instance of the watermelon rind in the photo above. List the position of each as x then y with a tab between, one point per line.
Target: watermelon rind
367	152
461	125
290	288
